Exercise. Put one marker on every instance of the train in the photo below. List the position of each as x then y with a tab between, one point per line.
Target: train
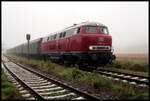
84	44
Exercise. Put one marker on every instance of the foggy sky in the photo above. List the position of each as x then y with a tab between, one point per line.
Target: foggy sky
127	21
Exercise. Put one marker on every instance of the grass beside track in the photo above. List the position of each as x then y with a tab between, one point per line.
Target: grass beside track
93	81
8	90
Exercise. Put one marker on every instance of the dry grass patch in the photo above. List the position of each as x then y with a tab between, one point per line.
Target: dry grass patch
133	57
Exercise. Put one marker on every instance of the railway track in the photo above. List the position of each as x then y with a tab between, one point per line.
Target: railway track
132	79
35	85
137	80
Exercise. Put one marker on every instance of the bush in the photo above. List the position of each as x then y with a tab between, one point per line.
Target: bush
8	90
116	88
98	82
127	91
77	74
142	96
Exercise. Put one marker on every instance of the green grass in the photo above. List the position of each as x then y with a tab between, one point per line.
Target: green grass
8	90
93	81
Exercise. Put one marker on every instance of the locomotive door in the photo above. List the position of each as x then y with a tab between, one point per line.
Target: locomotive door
58	46
68	45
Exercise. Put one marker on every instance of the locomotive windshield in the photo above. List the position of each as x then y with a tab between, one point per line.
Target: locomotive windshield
91	29
94	30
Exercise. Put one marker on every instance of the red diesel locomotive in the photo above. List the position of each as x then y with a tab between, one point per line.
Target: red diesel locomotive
87	43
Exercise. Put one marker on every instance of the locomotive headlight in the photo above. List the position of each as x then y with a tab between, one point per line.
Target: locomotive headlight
90	48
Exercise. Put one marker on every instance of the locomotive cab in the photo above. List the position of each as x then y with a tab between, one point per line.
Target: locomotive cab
97	43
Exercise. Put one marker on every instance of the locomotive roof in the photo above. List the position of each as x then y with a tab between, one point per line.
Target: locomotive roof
84	24
78	25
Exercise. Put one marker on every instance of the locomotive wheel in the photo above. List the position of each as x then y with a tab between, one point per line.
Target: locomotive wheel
82	66
67	63
94	67
61	62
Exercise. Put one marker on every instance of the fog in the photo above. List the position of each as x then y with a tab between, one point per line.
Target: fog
127	21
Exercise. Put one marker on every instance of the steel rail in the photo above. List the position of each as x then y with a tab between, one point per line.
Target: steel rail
125	73
124	78
49	78
36	95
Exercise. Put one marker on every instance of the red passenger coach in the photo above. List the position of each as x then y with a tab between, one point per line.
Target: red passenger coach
87	43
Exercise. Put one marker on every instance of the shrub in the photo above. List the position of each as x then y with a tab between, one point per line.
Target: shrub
98	82
127	91
116	88
142	96
77	74
8	90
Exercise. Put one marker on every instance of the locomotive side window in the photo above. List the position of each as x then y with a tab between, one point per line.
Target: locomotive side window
60	36
44	40
64	34
47	38
55	36
69	32
76	31
50	38
103	30
91	29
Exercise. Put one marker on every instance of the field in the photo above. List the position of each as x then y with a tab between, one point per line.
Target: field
133	57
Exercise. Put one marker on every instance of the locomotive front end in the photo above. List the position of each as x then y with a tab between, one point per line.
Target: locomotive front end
98	43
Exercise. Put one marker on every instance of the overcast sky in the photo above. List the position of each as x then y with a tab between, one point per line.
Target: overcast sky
127	21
